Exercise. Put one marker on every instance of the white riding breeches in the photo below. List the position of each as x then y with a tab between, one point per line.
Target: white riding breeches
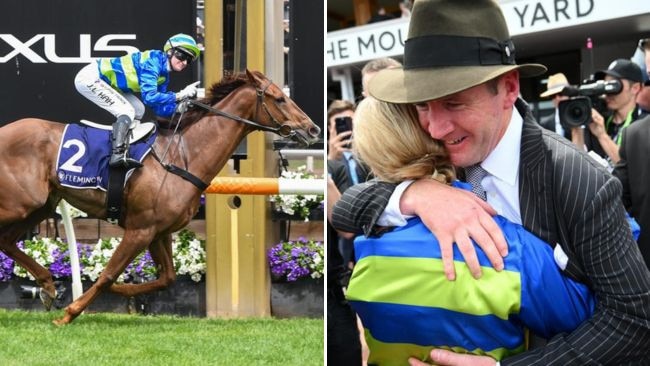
90	85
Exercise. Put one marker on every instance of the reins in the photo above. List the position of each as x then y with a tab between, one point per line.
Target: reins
282	130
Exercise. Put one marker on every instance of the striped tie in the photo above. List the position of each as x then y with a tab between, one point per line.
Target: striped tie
475	175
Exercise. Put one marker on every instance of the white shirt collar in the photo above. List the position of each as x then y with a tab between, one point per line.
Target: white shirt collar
501	185
505	155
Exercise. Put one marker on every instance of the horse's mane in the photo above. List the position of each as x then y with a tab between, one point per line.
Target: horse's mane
215	93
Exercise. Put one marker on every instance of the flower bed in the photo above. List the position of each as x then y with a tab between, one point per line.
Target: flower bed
189	263
53	254
296	271
294	259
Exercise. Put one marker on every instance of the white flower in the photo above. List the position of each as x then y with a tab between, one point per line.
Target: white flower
189	255
293	204
41	250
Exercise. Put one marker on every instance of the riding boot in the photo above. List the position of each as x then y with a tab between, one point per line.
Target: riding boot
120	144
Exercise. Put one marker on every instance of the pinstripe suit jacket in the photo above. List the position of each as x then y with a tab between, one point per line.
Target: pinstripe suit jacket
565	197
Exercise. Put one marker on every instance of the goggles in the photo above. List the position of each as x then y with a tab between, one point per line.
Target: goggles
182	55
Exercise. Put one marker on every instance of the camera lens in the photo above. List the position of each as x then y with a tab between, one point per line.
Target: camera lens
575	112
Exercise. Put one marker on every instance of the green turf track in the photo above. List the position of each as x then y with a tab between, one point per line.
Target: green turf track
30	338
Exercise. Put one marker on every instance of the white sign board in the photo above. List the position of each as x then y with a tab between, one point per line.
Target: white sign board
386	39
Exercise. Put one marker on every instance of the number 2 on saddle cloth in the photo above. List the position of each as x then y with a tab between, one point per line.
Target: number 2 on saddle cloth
84	153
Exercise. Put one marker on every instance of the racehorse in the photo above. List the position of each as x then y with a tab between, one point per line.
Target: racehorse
156	202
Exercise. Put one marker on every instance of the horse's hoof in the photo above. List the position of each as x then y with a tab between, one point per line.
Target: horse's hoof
67	319
47	299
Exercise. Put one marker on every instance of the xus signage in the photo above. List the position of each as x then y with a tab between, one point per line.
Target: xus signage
47	52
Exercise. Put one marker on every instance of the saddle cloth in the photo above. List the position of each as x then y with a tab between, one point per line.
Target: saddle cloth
84	152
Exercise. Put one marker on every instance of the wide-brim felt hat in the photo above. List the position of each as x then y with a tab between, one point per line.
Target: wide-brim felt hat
452	45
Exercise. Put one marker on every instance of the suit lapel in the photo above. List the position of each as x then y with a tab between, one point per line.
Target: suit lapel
535	180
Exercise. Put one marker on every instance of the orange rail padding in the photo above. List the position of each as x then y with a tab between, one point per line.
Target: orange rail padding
231	185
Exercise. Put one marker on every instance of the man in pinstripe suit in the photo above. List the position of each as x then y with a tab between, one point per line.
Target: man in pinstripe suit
534	177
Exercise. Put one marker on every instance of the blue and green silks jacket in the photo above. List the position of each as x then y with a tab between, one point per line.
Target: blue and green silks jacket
407	306
141	72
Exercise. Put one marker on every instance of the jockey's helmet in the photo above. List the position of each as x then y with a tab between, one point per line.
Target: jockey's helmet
183	43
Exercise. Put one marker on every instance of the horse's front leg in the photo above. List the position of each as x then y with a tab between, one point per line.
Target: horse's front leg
132	244
161	254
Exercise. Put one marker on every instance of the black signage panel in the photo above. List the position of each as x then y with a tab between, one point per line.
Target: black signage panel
306	58
44	43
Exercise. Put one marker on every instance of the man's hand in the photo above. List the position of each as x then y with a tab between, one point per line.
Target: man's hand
448	358
597	125
188	92
456	215
338	143
597	128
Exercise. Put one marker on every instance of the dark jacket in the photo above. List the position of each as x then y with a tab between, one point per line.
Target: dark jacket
338	170
633	170
548	122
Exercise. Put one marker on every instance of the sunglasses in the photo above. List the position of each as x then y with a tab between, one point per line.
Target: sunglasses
183	56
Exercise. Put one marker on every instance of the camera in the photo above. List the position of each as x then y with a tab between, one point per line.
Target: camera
343	124
576	111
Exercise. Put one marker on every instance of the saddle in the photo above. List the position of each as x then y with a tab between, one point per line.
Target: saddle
83	160
140	131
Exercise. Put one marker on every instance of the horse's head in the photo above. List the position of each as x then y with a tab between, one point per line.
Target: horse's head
281	114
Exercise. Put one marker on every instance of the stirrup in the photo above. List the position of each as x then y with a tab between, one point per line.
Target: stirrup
122	161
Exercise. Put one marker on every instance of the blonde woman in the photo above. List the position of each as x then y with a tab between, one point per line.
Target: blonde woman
399	289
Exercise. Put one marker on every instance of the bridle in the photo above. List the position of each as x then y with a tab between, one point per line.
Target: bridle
282	130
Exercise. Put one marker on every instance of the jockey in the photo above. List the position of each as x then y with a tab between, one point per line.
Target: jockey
111	83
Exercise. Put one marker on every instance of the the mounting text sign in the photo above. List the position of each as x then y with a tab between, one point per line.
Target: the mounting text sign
386	39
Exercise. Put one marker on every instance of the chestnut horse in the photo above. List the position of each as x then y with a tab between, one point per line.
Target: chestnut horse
156	202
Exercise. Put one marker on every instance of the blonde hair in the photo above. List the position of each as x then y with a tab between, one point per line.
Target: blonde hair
389	139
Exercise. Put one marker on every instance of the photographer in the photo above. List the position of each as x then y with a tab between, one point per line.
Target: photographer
336	142
603	134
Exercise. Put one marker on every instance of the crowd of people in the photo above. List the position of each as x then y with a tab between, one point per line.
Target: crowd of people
446	177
